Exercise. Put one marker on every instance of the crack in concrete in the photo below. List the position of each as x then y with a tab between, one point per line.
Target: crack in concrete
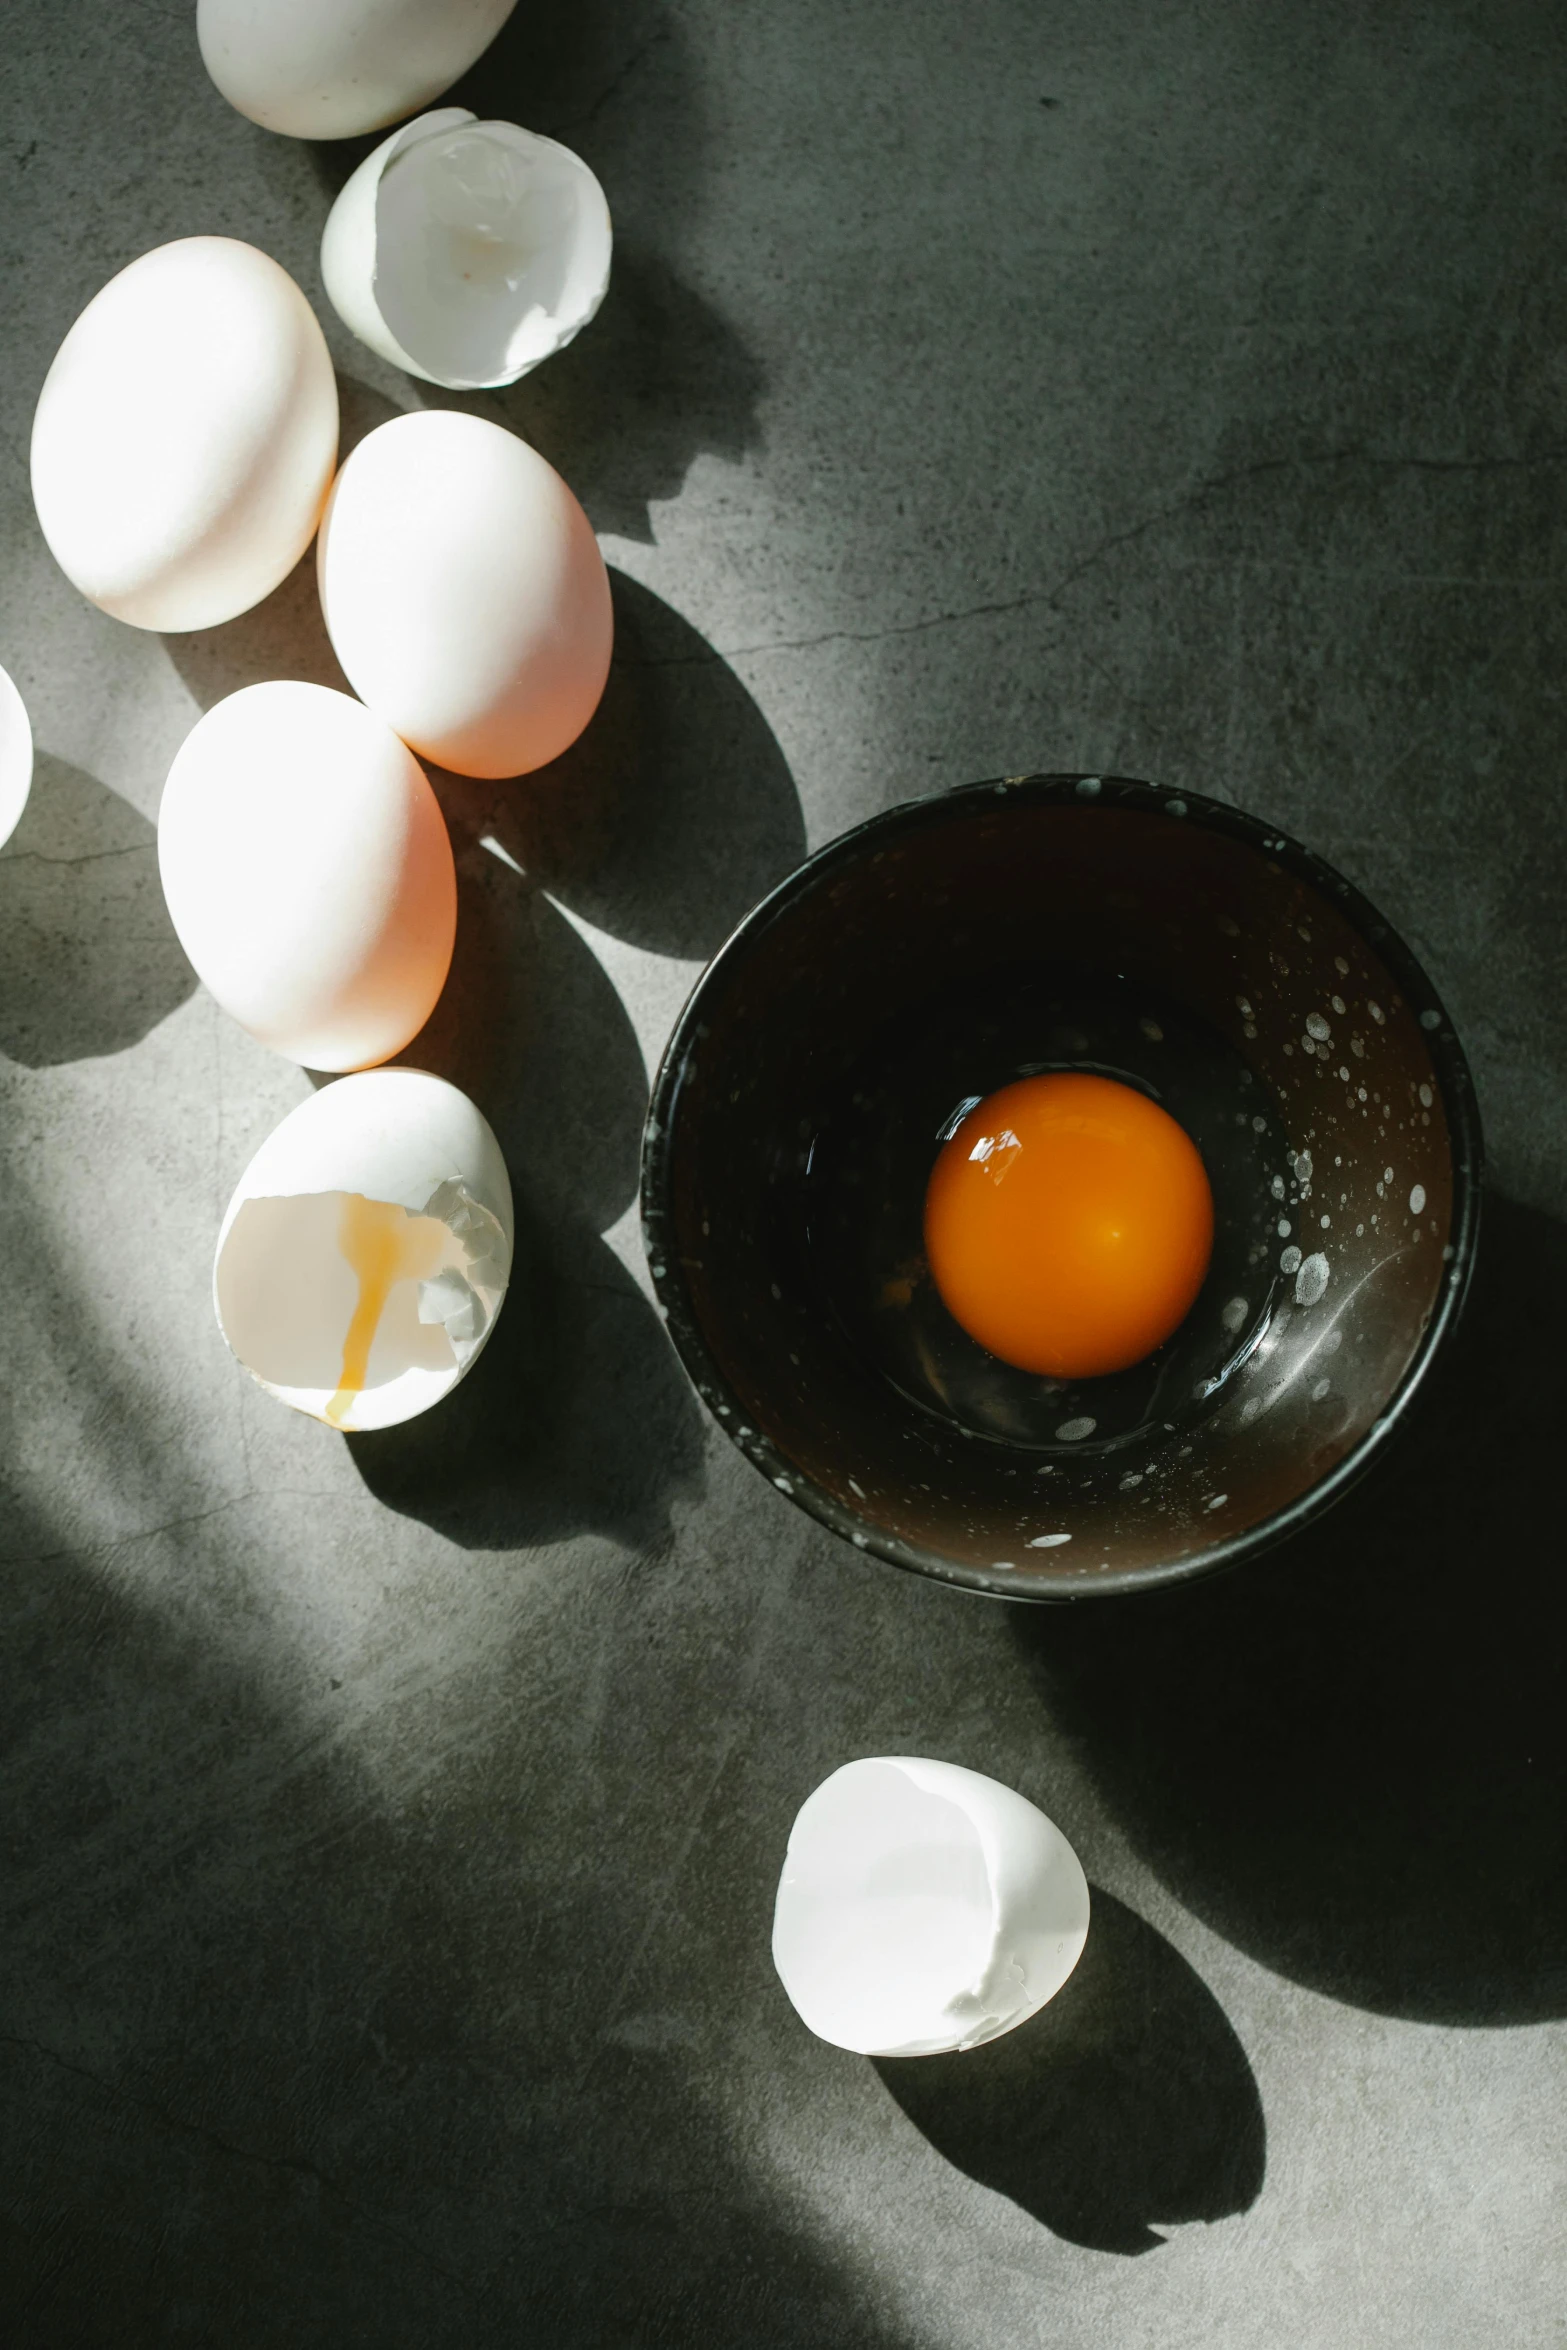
214	2138
613	86
135	848
1196	498
106	1544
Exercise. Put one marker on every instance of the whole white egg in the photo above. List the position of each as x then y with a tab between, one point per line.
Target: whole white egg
329	69
16	758
366	1250
185	436
309	873
924	1907
464	593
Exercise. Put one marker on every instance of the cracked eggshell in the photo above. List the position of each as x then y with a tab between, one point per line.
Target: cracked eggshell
16	758
332	69
185	436
464	593
924	1907
465	252
402	1161
309	873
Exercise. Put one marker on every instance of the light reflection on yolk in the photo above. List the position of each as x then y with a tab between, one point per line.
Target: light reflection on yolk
384	1245
1068	1225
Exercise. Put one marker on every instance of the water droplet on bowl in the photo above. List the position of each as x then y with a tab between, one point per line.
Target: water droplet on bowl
1312	1280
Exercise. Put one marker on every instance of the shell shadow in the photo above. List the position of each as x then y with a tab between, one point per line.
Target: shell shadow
1127	2102
89	962
577	1416
1351	1758
659	378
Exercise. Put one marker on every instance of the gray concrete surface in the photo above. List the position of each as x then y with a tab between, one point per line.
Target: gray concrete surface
391	1826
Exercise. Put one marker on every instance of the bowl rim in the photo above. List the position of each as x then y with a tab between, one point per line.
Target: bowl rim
1084	790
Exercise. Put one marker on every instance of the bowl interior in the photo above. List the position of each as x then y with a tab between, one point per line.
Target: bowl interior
941	951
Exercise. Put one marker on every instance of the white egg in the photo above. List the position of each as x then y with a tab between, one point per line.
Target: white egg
185	436
465	251
330	69
366	1251
309	873
924	1907
16	758
464	593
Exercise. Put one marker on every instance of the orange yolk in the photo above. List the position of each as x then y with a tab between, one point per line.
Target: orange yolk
1068	1225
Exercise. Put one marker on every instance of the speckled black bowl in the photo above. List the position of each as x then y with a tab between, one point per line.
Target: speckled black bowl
1043	922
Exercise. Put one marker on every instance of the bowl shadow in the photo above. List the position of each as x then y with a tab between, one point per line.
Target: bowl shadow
1351	1760
1125	2104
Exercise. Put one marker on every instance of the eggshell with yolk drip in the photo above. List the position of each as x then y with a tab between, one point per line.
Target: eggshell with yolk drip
405	1160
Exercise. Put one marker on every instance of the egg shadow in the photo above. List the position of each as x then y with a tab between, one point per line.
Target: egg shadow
1350	1758
89	963
577	1415
665	822
1125	2104
530	1027
659	378
674	812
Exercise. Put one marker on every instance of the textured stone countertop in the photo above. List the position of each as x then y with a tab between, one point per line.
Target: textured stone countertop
391	1825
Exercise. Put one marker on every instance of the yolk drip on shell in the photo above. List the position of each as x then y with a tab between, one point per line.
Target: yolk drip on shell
1068	1225
384	1245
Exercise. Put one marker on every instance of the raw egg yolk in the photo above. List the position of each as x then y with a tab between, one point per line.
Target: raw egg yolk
1068	1225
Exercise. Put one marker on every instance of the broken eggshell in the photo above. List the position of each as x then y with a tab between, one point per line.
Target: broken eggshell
331	69
923	1908
465	252
185	436
464	593
16	758
308	873
377	1221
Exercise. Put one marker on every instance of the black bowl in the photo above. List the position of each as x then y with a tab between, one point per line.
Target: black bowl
943	949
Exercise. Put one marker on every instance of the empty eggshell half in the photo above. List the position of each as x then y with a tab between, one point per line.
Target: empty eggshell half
924	1907
309	873
185	436
331	69
466	251
464	593
16	758
366	1250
